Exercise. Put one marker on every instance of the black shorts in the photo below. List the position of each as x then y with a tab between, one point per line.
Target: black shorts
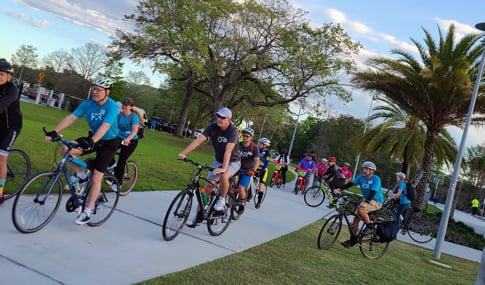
7	138
105	151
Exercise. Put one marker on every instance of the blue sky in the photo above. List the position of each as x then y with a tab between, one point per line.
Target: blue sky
378	25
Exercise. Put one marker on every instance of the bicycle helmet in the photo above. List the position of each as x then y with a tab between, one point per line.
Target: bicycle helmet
332	159
402	175
248	131
265	141
5	66
369	164
103	81
324	160
347	164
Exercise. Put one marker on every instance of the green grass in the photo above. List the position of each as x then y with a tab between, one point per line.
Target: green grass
295	259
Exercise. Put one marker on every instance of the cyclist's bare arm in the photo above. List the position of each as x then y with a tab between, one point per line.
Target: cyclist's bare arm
193	145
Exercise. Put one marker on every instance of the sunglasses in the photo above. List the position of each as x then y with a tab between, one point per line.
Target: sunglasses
220	117
246	136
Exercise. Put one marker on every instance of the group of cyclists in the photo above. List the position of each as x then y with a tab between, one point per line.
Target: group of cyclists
108	127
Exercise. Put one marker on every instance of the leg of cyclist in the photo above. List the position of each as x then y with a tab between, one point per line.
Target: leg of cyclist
224	177
242	186
283	170
126	151
261	186
364	209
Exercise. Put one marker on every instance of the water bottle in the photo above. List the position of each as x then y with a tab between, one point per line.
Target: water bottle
74	181
204	196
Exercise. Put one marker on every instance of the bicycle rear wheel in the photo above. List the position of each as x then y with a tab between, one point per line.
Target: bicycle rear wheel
329	232
129	178
314	196
106	203
419	230
218	221
37	202
370	247
177	214
18	172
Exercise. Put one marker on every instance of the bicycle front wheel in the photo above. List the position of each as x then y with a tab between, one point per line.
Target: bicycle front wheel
106	203
314	196
37	202
129	177
176	215
218	221
329	232
370	247
18	172
419	230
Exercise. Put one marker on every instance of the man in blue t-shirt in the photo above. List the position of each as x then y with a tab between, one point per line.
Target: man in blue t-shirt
227	159
101	113
370	185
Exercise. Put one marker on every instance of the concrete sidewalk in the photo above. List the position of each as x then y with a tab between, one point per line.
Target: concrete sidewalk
129	247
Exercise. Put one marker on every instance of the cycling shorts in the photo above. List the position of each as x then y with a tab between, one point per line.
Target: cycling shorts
7	138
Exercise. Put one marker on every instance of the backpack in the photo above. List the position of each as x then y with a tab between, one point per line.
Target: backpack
411	192
387	231
141	130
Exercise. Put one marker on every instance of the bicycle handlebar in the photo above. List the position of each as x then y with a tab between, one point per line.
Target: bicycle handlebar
196	164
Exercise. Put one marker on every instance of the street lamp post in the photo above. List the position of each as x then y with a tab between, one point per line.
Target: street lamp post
451	190
294	130
357	158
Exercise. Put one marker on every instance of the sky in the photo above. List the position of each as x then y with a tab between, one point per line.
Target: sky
379	25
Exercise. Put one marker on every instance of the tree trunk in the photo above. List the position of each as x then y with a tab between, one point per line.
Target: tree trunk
189	94
428	155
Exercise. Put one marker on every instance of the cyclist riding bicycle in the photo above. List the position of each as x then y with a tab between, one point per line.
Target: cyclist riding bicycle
333	176
10	118
283	159
102	116
322	167
308	164
249	164
370	186
401	194
263	144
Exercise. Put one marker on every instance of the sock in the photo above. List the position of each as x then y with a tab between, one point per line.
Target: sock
2	184
87	211
1	191
82	175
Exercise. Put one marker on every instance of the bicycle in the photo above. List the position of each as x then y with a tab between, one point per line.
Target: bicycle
276	179
18	172
180	207
40	197
130	176
369	244
315	195
300	183
414	225
253	186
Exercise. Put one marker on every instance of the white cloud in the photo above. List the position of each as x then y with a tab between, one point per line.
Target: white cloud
27	19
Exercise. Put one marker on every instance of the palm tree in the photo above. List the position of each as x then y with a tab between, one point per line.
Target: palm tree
437	90
402	136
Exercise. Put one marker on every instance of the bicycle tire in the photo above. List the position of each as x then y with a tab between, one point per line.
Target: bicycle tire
371	248
419	231
107	201
314	196
255	198
177	214
32	210
18	172
218	221
272	183
329	232
235	206
129	177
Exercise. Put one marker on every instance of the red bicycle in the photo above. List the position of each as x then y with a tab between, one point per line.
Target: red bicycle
300	184
277	179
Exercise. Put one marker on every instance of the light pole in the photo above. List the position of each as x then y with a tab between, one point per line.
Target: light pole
456	199
294	130
451	190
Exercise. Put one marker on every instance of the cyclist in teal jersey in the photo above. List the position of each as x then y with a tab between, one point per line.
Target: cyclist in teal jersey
370	185
101	113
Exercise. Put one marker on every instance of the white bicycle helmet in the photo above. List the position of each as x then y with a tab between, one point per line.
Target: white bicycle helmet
5	66
369	164
103	81
401	174
248	131
265	141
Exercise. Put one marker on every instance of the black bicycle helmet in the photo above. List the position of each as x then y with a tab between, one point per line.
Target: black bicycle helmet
5	66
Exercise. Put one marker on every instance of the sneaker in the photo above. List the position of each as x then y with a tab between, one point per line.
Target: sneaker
349	243
82	219
220	204
191	223
114	187
369	229
240	209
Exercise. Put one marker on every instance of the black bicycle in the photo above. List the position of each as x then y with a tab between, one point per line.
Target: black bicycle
369	244
130	176
40	197
18	172
179	210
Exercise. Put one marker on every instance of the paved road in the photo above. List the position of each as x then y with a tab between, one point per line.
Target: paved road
129	247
